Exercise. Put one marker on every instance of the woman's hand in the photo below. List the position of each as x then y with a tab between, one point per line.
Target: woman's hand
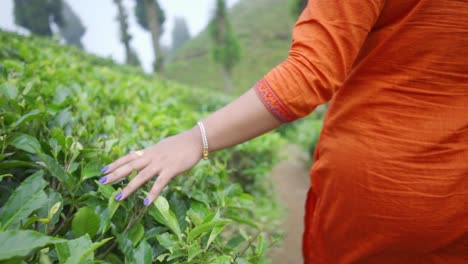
239	121
165	160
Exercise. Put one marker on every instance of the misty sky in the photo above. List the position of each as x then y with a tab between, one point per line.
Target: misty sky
102	32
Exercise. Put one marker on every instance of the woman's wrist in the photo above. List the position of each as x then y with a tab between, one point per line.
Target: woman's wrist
195	138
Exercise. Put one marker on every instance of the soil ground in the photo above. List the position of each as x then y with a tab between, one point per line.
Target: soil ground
291	182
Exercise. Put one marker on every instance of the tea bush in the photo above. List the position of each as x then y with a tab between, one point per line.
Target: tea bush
64	114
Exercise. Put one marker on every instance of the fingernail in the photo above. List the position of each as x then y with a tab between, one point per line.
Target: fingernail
103	179
104	169
146	201
118	196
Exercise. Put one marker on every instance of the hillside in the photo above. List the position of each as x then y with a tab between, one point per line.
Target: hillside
64	114
264	29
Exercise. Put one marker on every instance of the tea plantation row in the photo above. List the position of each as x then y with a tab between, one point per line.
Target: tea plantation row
64	114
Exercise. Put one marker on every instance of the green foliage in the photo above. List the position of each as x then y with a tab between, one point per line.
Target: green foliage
36	15
125	37
305	132
27	198
122	17
71	29
180	33
151	17
64	114
141	15
85	221
263	28
19	243
226	48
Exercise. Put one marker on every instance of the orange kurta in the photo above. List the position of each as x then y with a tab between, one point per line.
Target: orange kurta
390	179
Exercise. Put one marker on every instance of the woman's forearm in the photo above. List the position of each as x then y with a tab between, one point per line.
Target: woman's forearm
237	122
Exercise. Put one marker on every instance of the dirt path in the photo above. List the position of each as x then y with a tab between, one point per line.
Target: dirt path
291	182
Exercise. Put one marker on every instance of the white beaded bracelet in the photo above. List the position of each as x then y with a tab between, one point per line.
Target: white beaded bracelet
206	151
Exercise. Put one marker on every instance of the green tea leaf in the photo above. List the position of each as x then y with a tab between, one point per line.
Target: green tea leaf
106	190
205	228
58	134
143	253
54	204
136	233
114	259
162	257
17	164
5	155
27	117
193	251
112	208
63	117
19	243
261	245
235	241
78	251
91	170
109	122
178	253
8	90
44	258
4	176
78	258
57	170
27	198
27	143
167	241
61	94
242	220
179	206
200	196
54	209
124	243
165	216
213	235
225	259
197	212
85	221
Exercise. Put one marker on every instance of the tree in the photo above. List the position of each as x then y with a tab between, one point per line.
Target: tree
180	33
36	15
297	6
226	48
130	55
151	17
72	29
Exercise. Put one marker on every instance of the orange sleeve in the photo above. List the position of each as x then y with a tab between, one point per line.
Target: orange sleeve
326	41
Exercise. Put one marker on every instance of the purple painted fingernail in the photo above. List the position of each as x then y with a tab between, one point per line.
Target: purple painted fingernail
103	179
103	170
146	201
118	196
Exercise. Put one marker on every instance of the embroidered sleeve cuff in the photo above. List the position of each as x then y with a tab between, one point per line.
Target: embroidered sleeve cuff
272	102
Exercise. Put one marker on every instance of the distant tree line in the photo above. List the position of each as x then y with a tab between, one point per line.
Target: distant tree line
40	16
226	48
122	17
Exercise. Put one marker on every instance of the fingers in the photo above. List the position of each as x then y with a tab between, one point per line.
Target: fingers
142	177
148	166
124	170
161	182
133	155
